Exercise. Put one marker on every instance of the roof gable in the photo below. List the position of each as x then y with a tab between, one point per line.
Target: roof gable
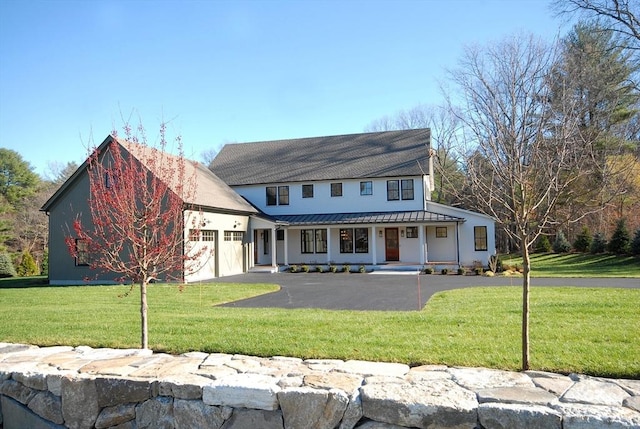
211	192
368	155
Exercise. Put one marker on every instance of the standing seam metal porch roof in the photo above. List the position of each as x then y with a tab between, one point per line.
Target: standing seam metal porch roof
368	155
416	216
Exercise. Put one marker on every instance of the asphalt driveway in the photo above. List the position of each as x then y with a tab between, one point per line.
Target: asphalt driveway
403	292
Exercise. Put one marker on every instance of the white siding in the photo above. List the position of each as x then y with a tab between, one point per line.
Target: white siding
322	202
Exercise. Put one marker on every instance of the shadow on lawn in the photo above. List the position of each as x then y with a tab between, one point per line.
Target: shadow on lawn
23	282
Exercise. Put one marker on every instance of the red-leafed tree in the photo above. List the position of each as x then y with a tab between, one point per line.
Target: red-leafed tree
138	209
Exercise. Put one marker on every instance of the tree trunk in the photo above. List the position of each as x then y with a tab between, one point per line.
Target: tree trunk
526	278
143	315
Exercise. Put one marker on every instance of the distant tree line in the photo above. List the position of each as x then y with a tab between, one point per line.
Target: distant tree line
24	230
581	105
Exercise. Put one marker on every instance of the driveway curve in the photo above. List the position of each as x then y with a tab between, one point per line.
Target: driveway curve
395	292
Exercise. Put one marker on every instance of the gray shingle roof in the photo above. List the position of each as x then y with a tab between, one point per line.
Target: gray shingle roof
416	216
369	155
211	191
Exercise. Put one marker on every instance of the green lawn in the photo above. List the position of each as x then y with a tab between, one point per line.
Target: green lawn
592	331
578	265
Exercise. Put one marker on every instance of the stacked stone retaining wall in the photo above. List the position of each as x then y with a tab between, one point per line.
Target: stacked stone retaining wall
65	387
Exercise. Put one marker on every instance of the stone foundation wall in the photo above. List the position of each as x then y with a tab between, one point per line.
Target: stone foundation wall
64	387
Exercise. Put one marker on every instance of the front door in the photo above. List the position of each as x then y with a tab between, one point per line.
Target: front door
392	245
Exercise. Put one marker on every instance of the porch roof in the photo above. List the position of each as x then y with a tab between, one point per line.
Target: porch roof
416	216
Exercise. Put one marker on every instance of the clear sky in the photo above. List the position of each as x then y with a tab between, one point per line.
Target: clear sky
230	71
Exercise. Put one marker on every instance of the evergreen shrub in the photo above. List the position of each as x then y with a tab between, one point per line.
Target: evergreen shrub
561	244
583	240
635	243
27	266
6	266
598	244
620	239
543	245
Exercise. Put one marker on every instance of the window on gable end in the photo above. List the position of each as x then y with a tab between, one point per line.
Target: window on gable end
480	237
82	252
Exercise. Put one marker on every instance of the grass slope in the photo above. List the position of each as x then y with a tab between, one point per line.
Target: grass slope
592	331
578	265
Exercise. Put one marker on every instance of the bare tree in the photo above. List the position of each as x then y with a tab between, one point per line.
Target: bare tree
620	16
445	137
521	160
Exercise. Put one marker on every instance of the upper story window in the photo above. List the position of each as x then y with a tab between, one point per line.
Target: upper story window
366	188
336	189
407	189
393	190
277	195
307	191
283	195
272	195
400	188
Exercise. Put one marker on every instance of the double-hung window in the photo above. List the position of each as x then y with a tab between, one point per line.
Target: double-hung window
283	195
307	191
82	252
272	195
480	237
366	188
407	189
336	189
397	189
393	190
277	195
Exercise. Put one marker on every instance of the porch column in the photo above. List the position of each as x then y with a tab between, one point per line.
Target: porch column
458	243
274	236
286	247
328	245
374	243
423	245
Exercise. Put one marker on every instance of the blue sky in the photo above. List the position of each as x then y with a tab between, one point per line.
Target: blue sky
230	71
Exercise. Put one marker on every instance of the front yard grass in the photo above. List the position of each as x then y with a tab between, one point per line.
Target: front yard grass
592	331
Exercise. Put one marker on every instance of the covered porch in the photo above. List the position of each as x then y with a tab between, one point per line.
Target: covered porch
381	240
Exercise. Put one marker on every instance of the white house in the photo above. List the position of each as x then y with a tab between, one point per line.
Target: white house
361	199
